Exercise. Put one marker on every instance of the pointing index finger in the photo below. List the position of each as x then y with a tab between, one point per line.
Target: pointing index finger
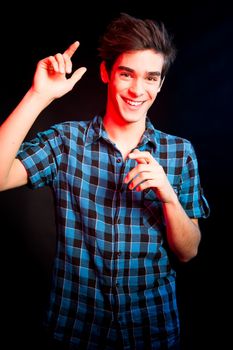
72	48
140	156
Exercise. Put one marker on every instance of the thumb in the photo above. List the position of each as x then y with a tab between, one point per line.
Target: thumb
77	75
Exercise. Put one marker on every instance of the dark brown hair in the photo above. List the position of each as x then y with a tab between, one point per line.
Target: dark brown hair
127	33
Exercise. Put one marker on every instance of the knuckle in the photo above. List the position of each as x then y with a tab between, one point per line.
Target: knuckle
58	55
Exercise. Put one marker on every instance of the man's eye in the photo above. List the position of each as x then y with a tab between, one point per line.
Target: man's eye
152	78
124	74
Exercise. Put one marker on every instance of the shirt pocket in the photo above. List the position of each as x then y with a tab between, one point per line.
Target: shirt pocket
153	211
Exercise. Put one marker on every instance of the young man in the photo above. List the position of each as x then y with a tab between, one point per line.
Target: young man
127	195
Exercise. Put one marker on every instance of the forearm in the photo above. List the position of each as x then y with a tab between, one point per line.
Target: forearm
183	233
14	130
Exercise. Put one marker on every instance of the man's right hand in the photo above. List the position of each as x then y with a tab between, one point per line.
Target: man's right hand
50	79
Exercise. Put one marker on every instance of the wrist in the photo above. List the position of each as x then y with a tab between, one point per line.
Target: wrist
39	98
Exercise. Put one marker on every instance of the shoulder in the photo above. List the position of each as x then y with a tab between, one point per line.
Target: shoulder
69	130
71	127
164	139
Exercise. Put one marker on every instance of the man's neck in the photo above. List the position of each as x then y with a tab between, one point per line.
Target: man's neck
126	136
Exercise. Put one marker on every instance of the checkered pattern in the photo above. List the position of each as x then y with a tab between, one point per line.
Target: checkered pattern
112	278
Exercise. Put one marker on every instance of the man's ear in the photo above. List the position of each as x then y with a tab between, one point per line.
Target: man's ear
104	73
161	83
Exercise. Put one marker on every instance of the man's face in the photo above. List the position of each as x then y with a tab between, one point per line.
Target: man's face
133	85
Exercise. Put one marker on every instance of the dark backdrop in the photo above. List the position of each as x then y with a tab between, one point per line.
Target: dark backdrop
195	103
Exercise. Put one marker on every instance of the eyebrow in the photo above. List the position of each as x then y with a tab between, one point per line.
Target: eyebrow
130	70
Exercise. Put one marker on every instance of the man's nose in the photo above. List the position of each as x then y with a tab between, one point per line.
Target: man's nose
137	87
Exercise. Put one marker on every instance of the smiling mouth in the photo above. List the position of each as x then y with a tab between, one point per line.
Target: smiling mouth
133	103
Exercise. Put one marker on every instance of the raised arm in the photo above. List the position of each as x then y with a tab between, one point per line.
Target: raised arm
50	82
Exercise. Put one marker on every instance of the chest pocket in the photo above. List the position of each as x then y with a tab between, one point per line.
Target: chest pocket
153	212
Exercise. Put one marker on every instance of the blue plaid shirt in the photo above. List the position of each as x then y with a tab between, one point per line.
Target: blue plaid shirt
112	276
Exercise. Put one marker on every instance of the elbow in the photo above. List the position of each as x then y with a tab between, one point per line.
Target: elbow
191	254
2	187
3	180
2	184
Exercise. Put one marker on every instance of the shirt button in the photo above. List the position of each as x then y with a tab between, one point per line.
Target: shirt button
118	253
117	284
118	160
117	221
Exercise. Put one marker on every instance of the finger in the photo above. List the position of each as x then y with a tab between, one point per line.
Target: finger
77	75
141	156
60	61
141	168
72	48
137	152
52	64
150	183
138	180
68	63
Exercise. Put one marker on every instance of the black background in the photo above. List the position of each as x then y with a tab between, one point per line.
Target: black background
195	103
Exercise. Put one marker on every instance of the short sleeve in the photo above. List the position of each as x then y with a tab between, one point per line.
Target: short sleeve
41	157
191	194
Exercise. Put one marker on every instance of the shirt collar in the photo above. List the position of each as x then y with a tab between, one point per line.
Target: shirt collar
96	131
149	134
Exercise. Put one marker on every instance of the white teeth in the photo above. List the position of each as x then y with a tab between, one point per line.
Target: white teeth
133	103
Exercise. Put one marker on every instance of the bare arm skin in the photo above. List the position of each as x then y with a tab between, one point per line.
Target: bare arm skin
183	233
50	82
